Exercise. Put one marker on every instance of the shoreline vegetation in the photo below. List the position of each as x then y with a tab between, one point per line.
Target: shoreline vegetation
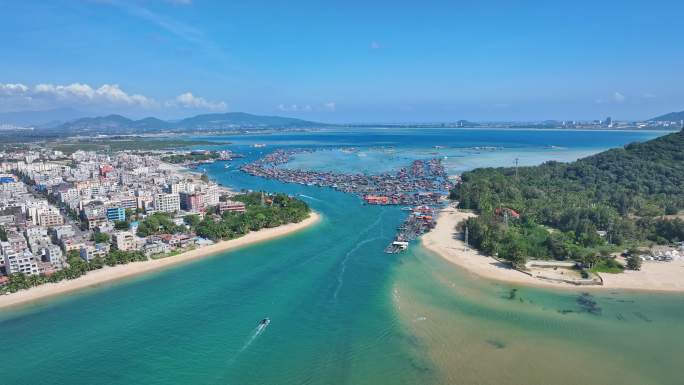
118	272
445	241
605	213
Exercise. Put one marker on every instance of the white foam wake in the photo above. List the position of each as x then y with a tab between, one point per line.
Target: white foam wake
256	333
310	197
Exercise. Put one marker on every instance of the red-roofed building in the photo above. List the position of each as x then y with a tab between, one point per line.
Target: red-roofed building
500	211
376	199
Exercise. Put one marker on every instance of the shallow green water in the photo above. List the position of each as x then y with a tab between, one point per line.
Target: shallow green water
474	332
342	312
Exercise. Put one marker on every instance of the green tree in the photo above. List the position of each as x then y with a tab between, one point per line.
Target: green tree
634	262
122	225
100	237
192	220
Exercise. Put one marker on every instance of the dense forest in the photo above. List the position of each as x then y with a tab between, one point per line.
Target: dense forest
618	198
272	211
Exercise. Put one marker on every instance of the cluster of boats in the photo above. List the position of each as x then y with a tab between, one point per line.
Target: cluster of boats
423	183
422	186
420	221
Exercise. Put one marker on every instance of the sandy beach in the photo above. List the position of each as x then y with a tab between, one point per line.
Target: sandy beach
444	240
108	274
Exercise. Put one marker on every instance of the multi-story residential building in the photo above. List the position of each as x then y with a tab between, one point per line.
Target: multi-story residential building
116	214
9	182
17	261
71	244
233	206
50	217
95	215
67	193
126	202
168	203
124	240
63	231
156	247
55	256
35	231
180	187
90	251
144	199
211	195
106	227
16	240
192	201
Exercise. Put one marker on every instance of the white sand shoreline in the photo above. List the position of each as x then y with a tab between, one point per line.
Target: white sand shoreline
113	273
442	240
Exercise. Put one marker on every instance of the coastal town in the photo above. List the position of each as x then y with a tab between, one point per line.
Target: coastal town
59	211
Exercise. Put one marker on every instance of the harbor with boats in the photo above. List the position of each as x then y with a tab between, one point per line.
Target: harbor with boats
421	187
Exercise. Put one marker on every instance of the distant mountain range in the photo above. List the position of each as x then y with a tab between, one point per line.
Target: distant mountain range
117	124
66	121
671	117
43	118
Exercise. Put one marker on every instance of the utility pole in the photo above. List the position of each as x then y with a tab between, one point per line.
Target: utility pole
610	231
465	244
516	168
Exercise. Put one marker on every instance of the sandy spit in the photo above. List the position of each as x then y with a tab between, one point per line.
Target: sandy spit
446	242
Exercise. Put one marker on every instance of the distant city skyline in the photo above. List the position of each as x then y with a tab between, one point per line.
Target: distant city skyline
344	63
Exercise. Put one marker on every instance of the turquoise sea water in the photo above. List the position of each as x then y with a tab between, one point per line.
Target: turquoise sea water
342	311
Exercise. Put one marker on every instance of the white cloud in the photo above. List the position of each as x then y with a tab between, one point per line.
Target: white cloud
375	45
12	89
188	100
107	96
649	95
74	94
330	106
619	97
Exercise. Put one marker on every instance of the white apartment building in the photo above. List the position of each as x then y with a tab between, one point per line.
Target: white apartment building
18	261
55	256
124	240
211	193
167	203
63	231
89	251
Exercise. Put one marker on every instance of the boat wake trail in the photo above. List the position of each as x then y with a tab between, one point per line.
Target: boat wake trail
255	333
343	265
310	197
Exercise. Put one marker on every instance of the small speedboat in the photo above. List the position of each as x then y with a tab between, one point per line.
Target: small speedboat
265	321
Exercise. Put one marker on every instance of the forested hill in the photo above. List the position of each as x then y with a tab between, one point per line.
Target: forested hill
620	191
671	117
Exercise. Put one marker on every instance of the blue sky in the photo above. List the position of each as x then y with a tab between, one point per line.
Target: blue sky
346	61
